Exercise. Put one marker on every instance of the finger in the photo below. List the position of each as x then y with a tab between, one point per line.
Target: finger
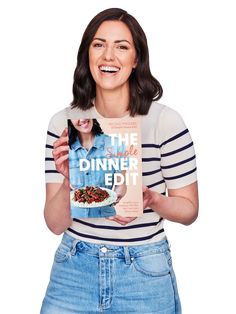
145	203
65	132
121	222
145	188
60	150
61	141
124	219
61	159
113	218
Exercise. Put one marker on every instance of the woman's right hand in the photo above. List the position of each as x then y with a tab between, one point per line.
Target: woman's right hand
61	152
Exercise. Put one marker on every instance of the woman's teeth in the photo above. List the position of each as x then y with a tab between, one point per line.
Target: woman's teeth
109	69
84	123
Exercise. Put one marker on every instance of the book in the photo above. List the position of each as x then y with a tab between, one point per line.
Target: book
105	167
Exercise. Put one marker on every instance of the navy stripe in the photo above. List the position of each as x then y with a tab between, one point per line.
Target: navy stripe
51	171
148	173
177	150
49	146
52	134
149	210
49	159
151	159
116	239
154	184
150	146
118	228
181	175
178	163
174	137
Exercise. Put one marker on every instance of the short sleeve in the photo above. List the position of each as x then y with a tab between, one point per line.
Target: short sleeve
178	159
55	128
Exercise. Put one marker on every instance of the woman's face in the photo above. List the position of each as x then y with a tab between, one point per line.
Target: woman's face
83	125
112	55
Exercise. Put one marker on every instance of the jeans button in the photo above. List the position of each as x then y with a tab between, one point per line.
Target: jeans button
103	249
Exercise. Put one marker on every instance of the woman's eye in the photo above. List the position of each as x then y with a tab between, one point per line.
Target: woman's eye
97	45
123	47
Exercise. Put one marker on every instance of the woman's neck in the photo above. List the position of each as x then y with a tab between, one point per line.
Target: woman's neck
112	103
86	140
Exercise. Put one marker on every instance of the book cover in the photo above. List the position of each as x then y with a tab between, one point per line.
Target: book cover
105	167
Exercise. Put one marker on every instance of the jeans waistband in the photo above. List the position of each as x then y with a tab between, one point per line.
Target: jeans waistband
113	250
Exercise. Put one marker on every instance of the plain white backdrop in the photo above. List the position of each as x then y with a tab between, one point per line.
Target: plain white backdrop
192	53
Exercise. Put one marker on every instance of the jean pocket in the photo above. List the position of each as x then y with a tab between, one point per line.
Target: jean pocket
62	254
152	265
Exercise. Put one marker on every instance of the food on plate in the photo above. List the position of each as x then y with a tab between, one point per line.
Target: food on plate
90	194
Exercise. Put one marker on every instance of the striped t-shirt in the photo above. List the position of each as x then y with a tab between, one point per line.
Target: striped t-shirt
168	162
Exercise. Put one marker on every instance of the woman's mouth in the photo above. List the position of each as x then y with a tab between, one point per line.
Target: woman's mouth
108	70
84	123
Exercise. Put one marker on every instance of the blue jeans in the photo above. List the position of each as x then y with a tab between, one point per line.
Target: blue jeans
94	278
96	212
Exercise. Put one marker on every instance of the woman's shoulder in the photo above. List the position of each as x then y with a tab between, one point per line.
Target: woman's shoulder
165	120
163	113
58	122
158	109
59	116
169	123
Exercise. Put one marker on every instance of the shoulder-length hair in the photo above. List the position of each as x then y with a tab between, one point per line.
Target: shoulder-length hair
73	133
144	88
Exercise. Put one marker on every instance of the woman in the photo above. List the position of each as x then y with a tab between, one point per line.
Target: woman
88	142
119	264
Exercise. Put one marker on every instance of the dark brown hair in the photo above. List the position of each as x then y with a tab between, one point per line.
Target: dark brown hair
144	88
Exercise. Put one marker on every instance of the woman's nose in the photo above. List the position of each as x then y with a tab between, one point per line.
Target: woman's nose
108	54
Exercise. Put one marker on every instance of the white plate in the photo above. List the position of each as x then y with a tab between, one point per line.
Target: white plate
110	200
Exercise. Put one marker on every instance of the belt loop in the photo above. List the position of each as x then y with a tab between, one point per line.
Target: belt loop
74	244
127	256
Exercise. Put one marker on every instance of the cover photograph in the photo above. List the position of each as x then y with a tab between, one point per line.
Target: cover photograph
105	167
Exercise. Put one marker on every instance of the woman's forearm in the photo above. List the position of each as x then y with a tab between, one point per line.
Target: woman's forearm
174	208
57	210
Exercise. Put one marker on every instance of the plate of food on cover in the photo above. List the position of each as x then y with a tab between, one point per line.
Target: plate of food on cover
92	196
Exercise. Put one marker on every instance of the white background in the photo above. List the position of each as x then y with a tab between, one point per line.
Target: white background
192	53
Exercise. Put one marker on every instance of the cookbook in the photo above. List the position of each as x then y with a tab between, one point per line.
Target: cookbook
105	167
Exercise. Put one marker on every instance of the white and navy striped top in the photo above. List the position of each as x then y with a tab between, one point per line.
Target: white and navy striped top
168	162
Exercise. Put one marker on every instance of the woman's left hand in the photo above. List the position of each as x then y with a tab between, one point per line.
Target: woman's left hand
149	197
121	220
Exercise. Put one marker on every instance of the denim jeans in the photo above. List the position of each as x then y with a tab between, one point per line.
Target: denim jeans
94	278
82	212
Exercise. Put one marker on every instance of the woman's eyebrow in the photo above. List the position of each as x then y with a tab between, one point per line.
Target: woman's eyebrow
116	41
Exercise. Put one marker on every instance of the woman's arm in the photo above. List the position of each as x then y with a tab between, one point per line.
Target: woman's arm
181	205
57	206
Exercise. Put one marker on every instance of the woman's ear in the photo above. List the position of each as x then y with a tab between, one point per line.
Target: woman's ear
135	63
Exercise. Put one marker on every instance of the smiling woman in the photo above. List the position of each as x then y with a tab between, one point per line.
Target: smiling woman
112	56
119	264
114	42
